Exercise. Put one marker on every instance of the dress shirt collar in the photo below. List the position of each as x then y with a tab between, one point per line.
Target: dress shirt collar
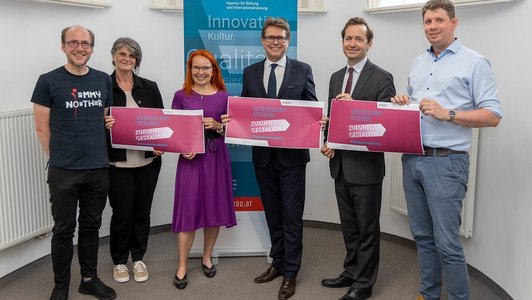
359	66
281	62
454	47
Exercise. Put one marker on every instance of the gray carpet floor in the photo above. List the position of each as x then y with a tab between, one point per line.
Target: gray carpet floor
323	255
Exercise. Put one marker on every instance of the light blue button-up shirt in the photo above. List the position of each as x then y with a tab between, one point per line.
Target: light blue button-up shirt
459	79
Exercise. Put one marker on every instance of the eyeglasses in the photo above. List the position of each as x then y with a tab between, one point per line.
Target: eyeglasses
280	39
198	68
75	44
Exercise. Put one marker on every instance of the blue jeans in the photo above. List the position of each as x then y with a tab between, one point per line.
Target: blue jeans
435	188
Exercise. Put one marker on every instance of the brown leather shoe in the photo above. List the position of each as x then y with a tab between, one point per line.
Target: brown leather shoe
288	288
270	274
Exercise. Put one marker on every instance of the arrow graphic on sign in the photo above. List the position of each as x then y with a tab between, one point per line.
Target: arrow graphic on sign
269	125
366	130
148	134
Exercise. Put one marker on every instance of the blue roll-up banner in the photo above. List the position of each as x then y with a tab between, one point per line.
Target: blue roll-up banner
231	30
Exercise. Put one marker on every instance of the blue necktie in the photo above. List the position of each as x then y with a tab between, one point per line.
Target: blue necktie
272	82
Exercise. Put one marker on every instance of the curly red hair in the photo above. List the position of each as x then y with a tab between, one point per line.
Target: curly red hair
216	80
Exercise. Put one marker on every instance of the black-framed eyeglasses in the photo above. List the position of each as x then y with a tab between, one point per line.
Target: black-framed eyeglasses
280	39
204	69
75	44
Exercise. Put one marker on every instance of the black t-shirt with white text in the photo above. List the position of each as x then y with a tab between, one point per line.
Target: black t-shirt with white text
77	104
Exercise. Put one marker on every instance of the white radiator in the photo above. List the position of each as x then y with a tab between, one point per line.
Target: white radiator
397	195
24	198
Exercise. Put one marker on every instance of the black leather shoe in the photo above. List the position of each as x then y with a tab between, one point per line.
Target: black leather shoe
59	293
97	288
354	294
209	272
181	284
337	282
288	288
270	274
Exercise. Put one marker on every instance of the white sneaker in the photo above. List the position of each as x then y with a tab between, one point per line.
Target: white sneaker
120	273
140	272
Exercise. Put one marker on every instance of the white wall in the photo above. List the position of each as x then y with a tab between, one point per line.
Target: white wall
30	46
501	244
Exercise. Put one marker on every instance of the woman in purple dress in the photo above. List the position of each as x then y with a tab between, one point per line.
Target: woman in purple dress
203	187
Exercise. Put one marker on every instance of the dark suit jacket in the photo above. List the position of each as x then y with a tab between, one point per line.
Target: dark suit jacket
373	84
146	94
298	84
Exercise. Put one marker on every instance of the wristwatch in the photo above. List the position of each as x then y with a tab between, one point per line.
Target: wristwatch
452	115
221	130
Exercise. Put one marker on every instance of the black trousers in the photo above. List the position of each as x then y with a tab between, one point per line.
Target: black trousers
359	207
67	188
131	196
282	192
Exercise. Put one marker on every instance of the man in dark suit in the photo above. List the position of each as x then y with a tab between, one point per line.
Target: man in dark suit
358	175
281	172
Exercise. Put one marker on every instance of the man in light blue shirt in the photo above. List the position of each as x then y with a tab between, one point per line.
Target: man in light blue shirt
456	91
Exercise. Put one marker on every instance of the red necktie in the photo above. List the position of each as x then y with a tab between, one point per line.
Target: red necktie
349	81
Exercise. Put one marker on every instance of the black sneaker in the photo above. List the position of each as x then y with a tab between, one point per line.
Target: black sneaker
97	288
59	293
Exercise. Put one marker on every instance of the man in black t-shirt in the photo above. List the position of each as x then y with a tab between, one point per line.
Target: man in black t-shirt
69	105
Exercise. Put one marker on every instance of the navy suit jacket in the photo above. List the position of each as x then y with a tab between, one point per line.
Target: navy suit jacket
373	84
297	84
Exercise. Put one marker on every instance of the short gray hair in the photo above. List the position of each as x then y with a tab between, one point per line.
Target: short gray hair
132	45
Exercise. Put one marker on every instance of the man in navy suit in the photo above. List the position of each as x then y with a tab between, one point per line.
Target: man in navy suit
281	172
358	175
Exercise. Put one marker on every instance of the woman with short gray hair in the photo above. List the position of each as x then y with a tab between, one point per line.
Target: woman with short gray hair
133	173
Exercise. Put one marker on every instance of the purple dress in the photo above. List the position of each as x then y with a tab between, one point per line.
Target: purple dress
203	186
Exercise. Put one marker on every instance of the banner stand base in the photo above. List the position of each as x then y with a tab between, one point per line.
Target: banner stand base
198	253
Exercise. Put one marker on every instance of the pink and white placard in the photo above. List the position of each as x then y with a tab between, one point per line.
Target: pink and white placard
274	122
168	130
374	126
